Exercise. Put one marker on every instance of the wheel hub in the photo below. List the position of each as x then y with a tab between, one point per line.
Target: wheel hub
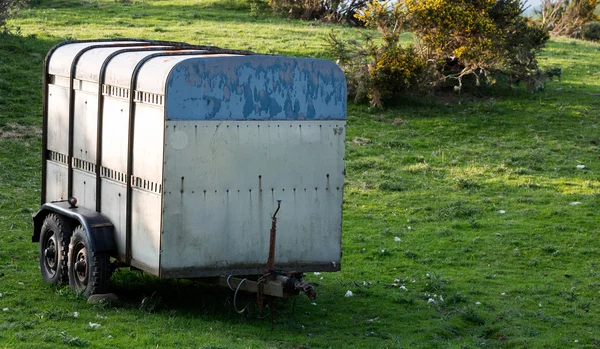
81	266
50	255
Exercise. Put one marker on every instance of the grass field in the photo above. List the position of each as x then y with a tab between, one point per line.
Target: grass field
497	227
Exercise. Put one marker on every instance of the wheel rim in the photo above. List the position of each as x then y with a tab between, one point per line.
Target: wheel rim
80	266
49	249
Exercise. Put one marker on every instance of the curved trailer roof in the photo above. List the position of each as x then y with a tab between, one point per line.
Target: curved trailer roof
211	84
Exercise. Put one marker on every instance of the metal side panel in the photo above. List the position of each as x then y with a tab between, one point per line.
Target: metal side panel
145	232
58	119
113	208
148	143
115	133
222	180
84	188
85	126
56	181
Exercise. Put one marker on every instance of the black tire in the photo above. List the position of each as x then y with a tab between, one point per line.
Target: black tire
54	247
89	270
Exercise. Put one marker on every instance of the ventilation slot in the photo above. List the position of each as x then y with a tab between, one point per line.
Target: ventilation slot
114	91
140	183
149	98
57	157
112	174
83	165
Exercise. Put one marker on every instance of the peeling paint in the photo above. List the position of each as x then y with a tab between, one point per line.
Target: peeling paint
256	88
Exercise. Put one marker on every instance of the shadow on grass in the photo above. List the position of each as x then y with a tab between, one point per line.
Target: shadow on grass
138	290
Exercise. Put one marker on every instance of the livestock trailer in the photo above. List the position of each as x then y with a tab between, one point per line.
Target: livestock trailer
174	159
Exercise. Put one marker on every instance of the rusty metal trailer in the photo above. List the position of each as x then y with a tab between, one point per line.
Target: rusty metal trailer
172	158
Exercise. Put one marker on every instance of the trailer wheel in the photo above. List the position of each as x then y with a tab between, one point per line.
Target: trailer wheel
54	247
89	270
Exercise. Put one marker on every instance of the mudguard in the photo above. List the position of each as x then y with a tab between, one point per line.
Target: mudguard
99	228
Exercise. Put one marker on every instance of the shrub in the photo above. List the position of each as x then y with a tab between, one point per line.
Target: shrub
591	31
332	10
455	39
7	8
567	17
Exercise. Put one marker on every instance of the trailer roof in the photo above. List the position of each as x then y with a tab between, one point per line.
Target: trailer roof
204	84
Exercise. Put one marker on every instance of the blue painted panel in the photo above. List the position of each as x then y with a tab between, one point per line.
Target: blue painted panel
255	88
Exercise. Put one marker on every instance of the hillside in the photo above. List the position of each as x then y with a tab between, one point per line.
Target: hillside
475	204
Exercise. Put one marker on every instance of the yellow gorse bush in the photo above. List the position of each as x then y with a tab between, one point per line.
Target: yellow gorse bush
454	39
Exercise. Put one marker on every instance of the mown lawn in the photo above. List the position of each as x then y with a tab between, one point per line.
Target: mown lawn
475	205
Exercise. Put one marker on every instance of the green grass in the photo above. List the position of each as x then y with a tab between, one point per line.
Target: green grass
434	173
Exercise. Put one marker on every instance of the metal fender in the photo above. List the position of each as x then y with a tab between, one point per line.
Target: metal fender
99	228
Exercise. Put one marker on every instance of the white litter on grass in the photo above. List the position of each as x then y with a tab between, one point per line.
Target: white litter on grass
321	278
396	281
540	305
349	294
366	283
574	203
403	288
76	314
373	319
409	228
5	309
503	294
109	336
0	295
441	299
501	211
581	167
94	325
21	283
431	300
576	341
397	239
313	303
317	273
477	303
